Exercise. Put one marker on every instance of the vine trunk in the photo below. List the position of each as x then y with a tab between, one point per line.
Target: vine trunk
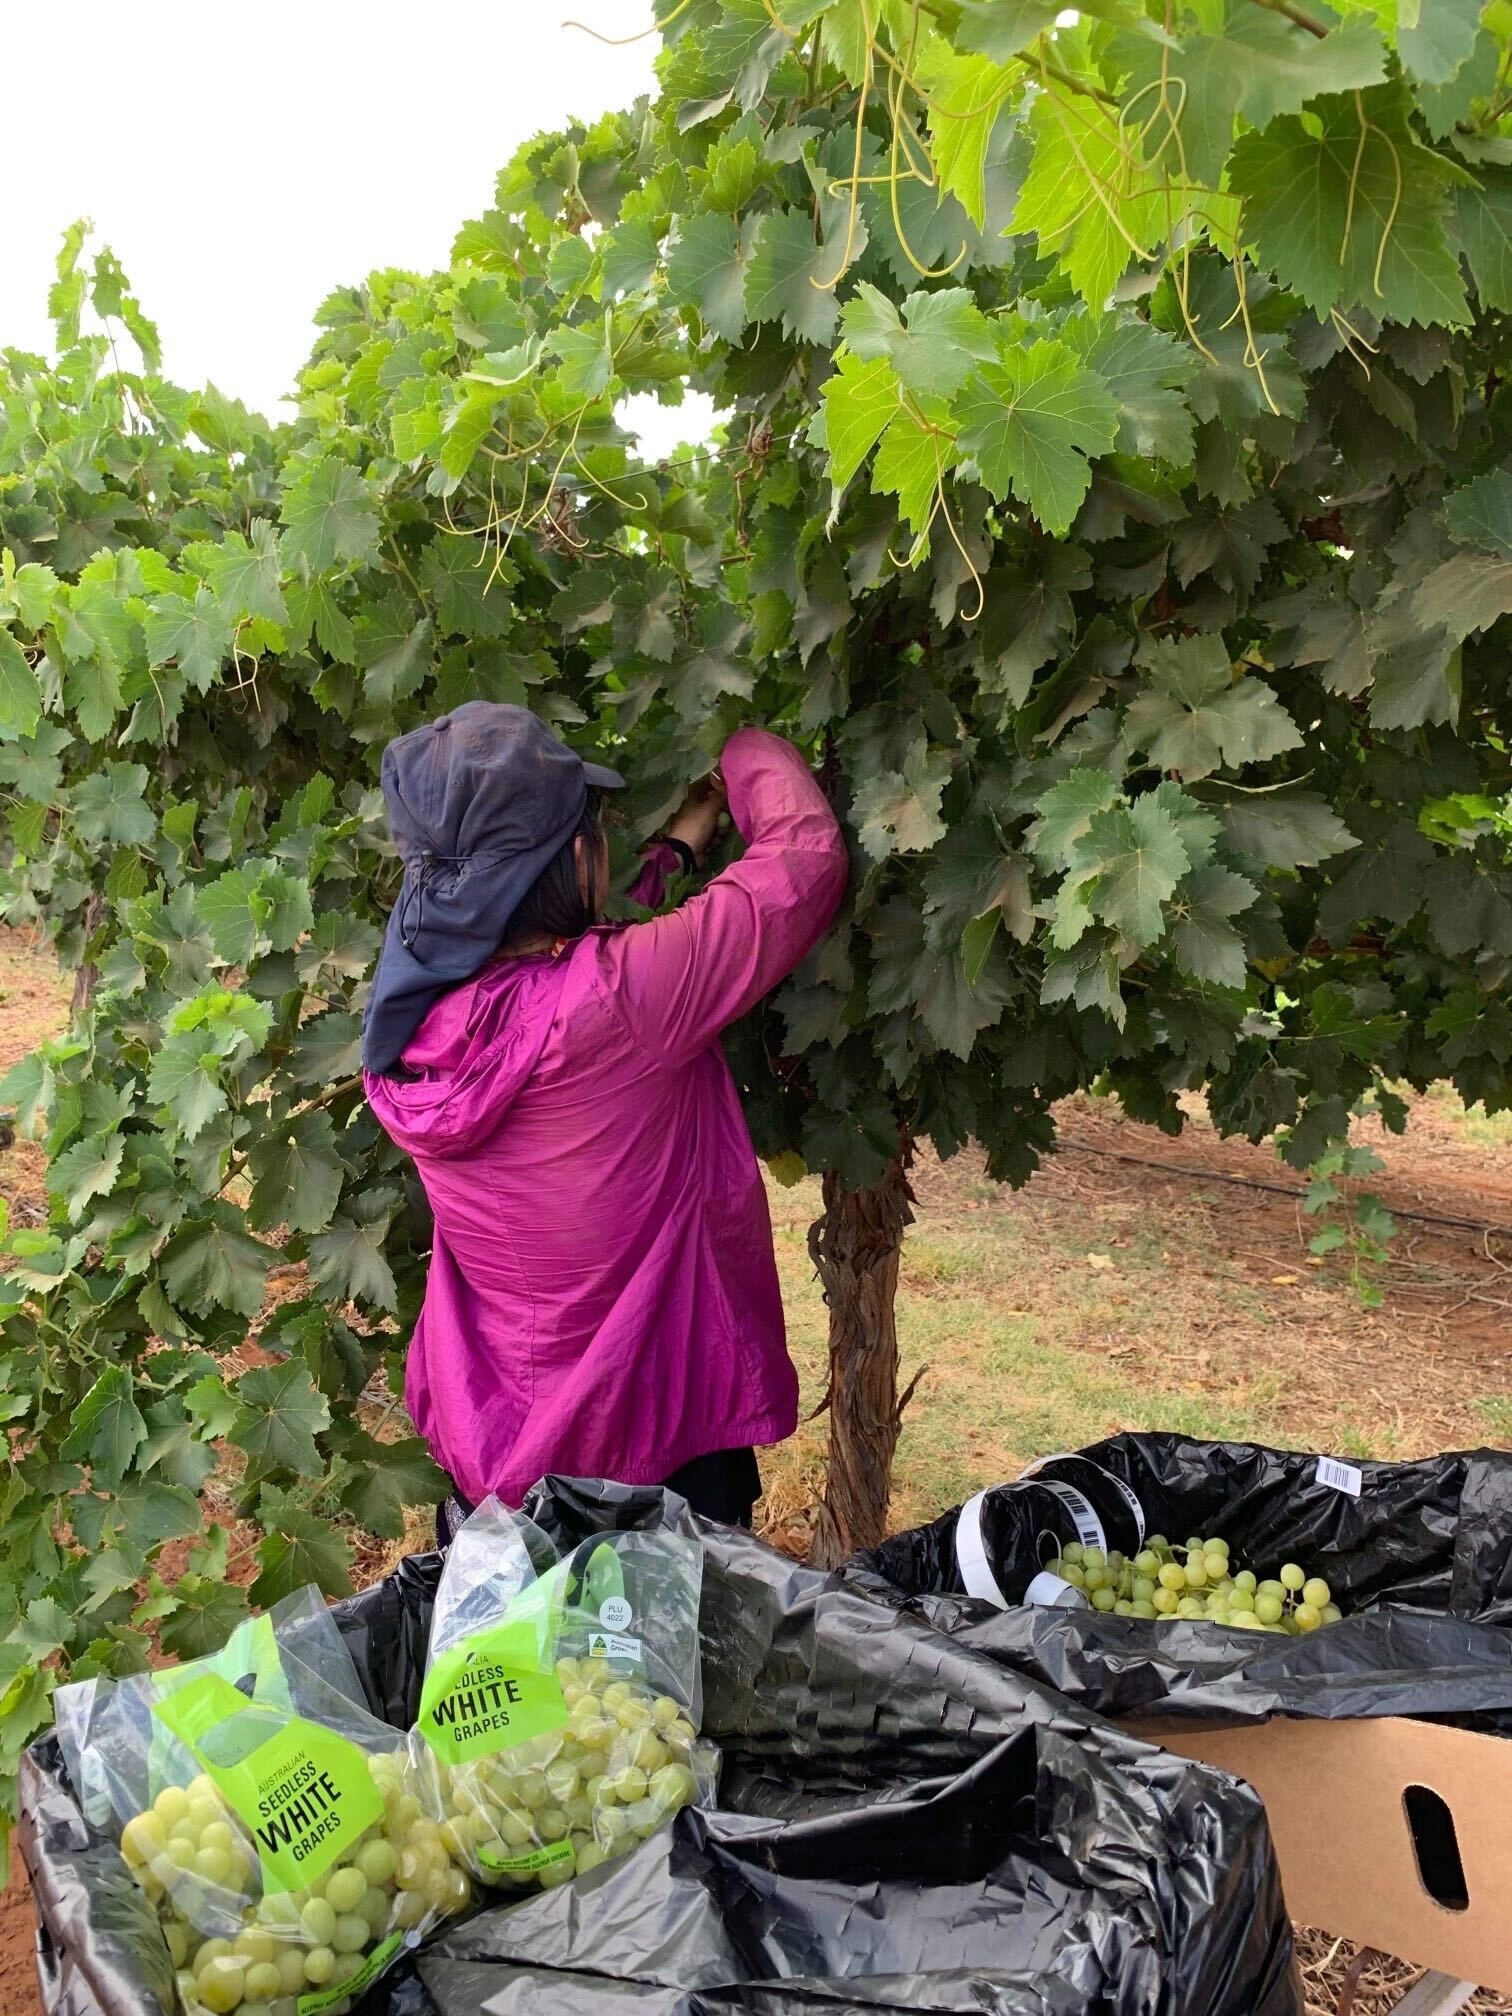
856	1246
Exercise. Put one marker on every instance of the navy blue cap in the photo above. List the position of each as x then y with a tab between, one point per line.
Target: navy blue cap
479	802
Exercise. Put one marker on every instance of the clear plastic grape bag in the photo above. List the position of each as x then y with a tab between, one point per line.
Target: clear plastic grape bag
559	1718
273	1822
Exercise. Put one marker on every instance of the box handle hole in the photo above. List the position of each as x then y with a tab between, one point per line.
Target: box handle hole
1436	1846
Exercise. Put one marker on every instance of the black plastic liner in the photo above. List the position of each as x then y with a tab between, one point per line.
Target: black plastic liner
1420	1561
904	1825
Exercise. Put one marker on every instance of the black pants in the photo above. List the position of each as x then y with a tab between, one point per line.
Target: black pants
723	1485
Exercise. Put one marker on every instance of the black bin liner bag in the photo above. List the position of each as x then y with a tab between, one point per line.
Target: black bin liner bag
1420	1562
905	1824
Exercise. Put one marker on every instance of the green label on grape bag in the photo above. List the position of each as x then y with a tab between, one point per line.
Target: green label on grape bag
304	1792
498	1687
487	1694
527	1863
319	1999
252	1649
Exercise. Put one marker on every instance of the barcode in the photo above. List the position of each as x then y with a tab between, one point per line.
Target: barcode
1340	1476
1089	1528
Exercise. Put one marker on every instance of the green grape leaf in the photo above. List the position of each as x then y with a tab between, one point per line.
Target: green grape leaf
153	1512
20	695
313	607
971	877
111	805
714	666
1352	215
206	1612
587	364
1136	856
88	1168
1146	371
172	1447
912	462
1198	717
977	941
1001	29
954	1008
1483	227
304	1549
628	255
791	278
390	1476
470	587
1031	422
231	910
708	265
1469	592
899	811
1281	68
185	1077
1444	106
1418	680
31	592
734	169
244	573
742	47
1028	619
1434	44
965	96
860	1144
107	1428
214	1263
1202	86
194	635
326	1050
213	1405
280	1412
1205	943
329	518
296	1174
348	1261
1094	236
1480	514
1065	812
859	400
931	345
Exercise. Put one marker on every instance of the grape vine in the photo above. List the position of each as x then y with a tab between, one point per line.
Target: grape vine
1112	491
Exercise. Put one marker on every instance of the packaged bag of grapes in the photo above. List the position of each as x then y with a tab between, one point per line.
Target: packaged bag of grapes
268	1817
559	1717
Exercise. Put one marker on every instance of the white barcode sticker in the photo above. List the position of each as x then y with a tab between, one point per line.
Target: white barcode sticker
1340	1476
1089	1528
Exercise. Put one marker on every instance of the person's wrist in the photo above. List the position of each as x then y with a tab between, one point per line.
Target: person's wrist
682	850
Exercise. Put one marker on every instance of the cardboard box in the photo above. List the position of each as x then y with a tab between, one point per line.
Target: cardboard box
1394	1833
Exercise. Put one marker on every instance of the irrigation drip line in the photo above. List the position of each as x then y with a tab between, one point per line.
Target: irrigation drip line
1291	1190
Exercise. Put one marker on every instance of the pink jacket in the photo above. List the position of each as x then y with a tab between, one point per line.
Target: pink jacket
602	1298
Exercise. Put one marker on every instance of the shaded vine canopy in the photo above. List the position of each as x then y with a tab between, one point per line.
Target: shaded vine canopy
1112	492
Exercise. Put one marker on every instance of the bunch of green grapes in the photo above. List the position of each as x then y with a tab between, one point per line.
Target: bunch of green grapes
193	1859
1198	1583
559	1804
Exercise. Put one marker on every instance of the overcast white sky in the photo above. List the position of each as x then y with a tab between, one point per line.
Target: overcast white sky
243	161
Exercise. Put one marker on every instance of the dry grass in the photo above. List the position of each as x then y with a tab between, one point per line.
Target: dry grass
1344	1980
1099	1299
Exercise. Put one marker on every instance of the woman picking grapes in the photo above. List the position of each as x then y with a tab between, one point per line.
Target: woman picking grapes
602	1298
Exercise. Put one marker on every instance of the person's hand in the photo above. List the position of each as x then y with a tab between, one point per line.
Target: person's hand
697	820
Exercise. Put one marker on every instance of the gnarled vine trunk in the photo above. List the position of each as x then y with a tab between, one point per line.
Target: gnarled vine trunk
856	1247
87	976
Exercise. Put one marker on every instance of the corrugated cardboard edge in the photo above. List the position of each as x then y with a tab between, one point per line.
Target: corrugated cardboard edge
1334	1792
